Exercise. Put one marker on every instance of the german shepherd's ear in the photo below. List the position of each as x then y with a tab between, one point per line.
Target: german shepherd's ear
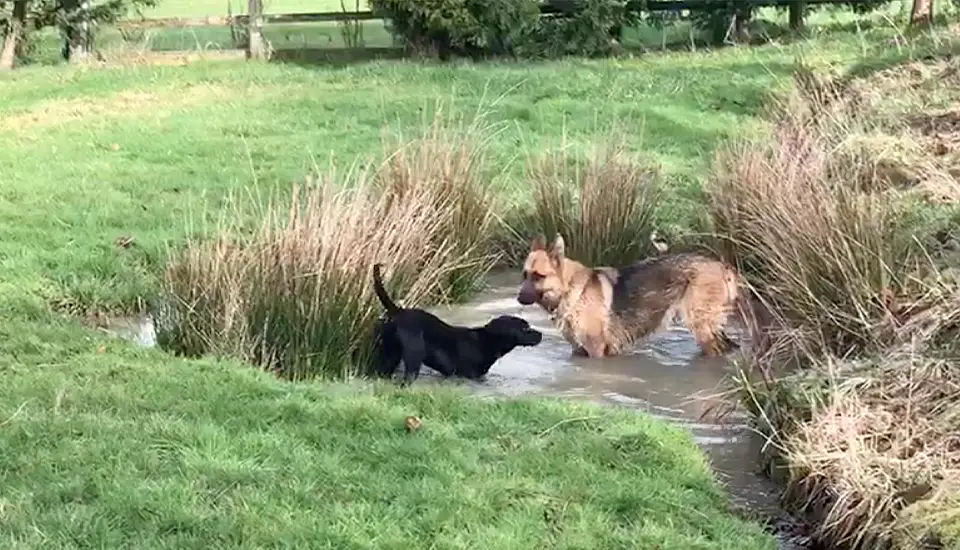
538	243
557	249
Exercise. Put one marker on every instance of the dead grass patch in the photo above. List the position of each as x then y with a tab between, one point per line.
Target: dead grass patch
128	103
826	220
882	437
840	220
812	226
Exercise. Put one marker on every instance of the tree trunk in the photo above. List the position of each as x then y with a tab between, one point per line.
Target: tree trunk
796	15
78	34
922	13
81	47
256	44
15	32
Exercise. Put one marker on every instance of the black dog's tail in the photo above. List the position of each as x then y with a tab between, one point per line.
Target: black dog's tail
392	308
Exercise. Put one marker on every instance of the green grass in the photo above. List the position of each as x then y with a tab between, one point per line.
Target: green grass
132	447
129	448
147	151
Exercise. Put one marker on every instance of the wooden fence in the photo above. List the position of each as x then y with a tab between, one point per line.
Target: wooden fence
257	19
556	8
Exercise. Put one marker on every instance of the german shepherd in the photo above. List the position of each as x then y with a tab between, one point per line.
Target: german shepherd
603	311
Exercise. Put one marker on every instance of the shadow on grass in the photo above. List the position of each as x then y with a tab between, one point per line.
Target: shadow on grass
337	57
924	49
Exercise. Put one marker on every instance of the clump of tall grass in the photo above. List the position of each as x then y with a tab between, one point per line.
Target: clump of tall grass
296	295
815	228
838	250
449	164
603	204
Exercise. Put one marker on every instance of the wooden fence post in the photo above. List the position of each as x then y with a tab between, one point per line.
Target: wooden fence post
256	44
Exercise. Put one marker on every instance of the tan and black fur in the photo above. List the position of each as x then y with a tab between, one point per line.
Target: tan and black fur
603	311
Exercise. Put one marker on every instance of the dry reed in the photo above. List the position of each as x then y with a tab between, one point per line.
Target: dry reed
296	296
883	437
837	244
813	225
603	205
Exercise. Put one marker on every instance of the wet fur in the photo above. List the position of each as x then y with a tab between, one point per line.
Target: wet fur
603	311
420	338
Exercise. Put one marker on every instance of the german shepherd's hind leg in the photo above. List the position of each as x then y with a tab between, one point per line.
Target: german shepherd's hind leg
707	328
706	306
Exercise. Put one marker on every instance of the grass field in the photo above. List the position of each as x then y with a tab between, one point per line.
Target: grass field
108	445
146	150
128	448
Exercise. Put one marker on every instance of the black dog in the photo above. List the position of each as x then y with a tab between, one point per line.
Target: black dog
419	338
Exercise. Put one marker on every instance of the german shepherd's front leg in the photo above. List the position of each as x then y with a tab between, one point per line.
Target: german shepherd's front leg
583	344
594	346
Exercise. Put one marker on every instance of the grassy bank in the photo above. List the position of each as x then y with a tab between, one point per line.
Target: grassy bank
845	220
122	447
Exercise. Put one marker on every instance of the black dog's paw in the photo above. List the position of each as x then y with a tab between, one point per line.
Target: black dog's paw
408	379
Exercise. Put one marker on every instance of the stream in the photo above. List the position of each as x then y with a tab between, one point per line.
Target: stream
665	376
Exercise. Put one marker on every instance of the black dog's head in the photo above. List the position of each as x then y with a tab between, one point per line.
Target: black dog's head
513	331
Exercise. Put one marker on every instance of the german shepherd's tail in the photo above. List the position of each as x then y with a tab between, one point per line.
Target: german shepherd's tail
749	310
391	307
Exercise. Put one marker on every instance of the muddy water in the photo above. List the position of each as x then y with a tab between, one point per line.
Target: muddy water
665	376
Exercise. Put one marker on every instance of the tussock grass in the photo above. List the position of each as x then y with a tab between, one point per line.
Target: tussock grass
813	226
296	296
844	252
449	164
603	205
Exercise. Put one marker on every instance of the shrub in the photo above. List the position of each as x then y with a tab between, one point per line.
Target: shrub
478	28
589	28
603	206
460	27
296	296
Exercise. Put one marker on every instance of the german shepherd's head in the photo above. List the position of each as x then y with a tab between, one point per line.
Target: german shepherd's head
543	282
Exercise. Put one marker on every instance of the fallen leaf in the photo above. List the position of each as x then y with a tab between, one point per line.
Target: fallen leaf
412	424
